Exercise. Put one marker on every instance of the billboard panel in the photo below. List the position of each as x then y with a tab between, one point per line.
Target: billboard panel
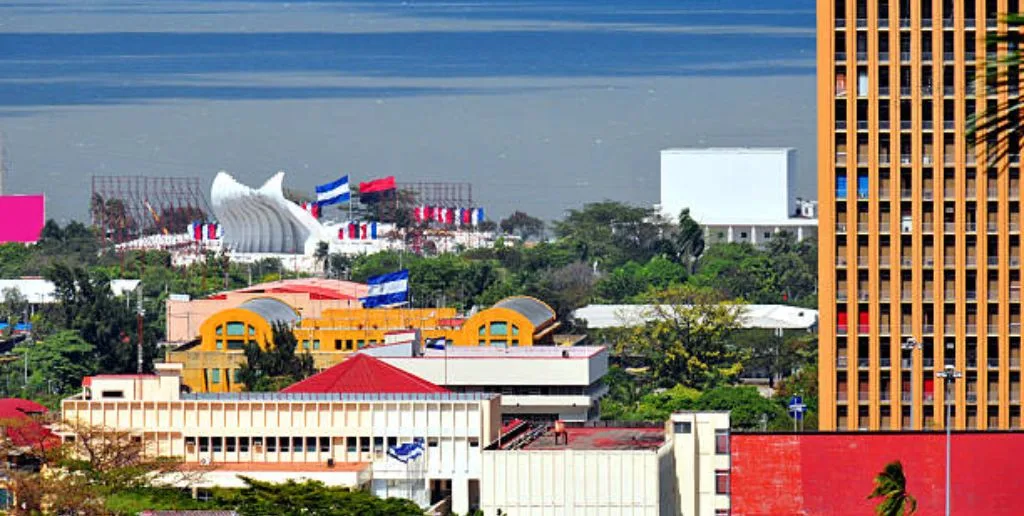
21	218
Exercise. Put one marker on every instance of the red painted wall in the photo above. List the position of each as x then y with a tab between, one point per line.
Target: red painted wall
833	473
21	218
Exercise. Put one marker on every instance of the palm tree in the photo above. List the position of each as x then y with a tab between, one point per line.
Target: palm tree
1002	127
891	487
323	251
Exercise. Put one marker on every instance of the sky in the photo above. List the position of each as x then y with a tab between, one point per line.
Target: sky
541	105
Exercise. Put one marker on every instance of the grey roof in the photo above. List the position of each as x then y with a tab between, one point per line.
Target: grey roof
536	312
271	310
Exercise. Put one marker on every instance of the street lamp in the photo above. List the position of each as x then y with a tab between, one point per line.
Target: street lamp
949	377
910	345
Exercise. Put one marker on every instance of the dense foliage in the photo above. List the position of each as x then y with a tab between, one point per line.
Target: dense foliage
276	364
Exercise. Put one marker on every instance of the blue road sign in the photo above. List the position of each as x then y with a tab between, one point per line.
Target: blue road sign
797	407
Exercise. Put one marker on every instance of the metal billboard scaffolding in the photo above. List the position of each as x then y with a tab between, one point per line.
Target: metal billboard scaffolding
129	207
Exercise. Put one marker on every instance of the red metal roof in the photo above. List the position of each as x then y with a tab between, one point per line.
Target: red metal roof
363	374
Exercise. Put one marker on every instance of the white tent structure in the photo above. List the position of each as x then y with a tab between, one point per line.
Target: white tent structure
262	220
770	317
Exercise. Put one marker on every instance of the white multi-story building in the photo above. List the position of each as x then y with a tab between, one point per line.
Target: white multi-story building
737	194
340	438
681	468
537	383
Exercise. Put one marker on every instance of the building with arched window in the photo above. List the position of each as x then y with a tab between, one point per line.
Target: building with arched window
211	362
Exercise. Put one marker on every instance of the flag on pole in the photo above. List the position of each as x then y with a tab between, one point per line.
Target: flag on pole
333	192
387	289
406	452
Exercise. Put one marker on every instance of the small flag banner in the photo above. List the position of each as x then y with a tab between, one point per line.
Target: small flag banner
387	289
202	231
334	192
376	190
448	216
406	452
358	231
313	208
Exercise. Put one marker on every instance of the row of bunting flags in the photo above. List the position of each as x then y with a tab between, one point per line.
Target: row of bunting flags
448	216
313	208
201	231
358	231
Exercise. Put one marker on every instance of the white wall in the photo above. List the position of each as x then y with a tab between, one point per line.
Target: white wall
572	482
728	185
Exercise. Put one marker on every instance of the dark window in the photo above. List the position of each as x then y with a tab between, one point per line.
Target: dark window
364	444
392	441
350	444
311	444
378	445
682	427
243	444
204	444
230	443
432	442
218	443
112	394
271	444
721	481
325	444
722	441
721	512
285	444
296	444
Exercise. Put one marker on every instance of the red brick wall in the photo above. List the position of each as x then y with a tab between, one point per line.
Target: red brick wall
833	473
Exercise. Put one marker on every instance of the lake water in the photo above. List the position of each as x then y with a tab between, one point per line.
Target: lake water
542	105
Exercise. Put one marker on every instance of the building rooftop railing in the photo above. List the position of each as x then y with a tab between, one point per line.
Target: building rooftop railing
348	397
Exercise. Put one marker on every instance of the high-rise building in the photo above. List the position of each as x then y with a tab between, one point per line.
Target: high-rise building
919	232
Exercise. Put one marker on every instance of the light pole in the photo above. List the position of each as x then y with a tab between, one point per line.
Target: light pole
910	345
949	377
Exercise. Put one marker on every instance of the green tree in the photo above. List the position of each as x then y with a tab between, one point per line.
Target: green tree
276	364
688	339
58	363
310	498
746	407
522	225
891	487
612	233
689	240
87	305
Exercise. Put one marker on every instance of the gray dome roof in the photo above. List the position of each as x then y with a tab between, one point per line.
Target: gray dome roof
536	312
271	310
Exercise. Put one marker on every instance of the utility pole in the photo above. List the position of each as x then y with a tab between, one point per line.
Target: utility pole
140	313
949	377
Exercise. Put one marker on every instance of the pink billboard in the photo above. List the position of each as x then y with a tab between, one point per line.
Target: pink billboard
21	217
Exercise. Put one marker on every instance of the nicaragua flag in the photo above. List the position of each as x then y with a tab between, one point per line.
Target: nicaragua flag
333	192
387	289
406	451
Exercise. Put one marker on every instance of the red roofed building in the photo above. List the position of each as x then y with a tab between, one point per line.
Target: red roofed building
363	374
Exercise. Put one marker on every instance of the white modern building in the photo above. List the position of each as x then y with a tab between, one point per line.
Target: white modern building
537	383
737	194
769	317
680	468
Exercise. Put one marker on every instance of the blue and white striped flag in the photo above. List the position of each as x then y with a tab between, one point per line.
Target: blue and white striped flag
387	289
333	192
406	452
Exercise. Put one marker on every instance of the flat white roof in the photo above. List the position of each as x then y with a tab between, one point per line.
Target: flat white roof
39	290
754	316
531	352
716	150
781	222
